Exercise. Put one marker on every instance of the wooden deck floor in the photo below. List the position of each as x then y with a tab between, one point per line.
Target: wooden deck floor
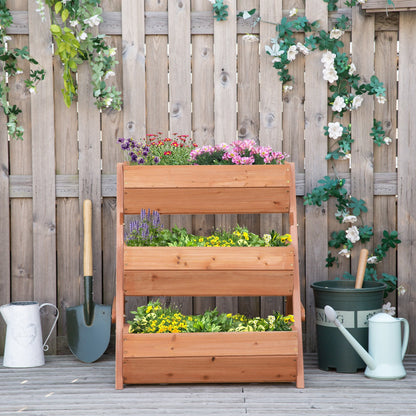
65	386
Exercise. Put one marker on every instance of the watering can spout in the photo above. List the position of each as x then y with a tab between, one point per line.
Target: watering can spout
332	316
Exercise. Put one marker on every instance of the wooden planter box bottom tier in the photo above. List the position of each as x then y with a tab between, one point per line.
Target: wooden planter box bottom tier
209	357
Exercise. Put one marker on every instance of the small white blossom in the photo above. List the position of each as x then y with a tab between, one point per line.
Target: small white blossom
352	69
302	48
372	260
93	20
73	23
267	238
381	99
387	140
346	156
82	36
246	15
65	1
287	88
6	38
361	1
335	130
274	51
112	51
108	101
388	309
356	102
352	234
349	218
250	38
339	104
291	53
109	74
336	33
328	58
19	71
212	1
293	12
345	252
330	74
401	290
32	90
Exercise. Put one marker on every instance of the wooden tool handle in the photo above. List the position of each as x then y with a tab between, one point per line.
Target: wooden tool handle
362	264
87	238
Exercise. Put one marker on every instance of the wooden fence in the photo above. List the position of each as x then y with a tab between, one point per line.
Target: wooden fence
182	71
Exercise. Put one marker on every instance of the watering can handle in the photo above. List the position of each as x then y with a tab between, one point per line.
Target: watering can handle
405	336
46	347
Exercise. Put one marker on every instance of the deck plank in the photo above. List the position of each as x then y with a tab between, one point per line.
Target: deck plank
64	386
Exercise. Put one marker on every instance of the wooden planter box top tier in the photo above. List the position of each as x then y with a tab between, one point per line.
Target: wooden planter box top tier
207	271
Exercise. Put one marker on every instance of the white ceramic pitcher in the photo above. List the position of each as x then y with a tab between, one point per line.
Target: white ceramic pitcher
24	346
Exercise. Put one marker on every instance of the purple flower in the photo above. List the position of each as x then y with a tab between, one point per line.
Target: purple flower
125	146
140	161
156	159
133	157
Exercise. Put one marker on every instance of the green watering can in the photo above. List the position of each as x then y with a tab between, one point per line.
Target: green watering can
386	349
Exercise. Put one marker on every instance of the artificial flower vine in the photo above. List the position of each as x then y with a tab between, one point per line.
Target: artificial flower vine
9	68
75	44
220	9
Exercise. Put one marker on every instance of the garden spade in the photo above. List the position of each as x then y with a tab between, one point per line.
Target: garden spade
88	325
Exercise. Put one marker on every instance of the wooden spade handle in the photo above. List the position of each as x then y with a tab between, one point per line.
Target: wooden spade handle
87	238
362	264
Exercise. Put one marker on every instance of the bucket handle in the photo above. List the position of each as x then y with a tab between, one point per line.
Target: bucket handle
46	347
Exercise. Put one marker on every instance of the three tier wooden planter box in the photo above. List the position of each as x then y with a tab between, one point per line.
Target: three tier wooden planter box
203	271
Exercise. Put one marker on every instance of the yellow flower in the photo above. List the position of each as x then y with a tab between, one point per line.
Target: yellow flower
245	235
149	309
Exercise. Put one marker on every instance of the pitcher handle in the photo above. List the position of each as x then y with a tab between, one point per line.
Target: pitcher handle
405	336
46	347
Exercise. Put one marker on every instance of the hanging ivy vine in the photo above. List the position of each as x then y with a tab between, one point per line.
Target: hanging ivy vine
72	25
9	67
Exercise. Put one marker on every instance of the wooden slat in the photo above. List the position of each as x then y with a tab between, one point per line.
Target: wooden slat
208	258
385	207
201	200
208	283
209	344
43	171
375	6
406	172
362	177
209	369
4	224
90	172
316	224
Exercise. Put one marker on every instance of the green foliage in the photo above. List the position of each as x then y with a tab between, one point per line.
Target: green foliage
155	318
220	10
377	133
332	5
147	231
9	59
75	44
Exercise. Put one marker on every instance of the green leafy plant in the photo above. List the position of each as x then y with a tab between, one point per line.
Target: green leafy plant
348	212
9	61
155	318
147	230
75	44
220	9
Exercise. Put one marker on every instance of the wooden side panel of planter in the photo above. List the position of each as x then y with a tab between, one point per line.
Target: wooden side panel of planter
209	357
208	283
207	200
208	258
209	344
231	189
212	369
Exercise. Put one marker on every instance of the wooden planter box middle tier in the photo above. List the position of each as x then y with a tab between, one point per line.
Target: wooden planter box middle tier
208	271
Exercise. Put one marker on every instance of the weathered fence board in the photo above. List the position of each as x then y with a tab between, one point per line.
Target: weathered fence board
181	71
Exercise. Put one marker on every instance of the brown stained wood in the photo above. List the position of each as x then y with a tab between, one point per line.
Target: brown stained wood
209	344
43	171
208	283
316	218
206	200
376	6
406	172
208	258
362	150
210	369
226	176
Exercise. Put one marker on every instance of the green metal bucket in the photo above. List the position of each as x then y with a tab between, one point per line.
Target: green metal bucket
354	307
